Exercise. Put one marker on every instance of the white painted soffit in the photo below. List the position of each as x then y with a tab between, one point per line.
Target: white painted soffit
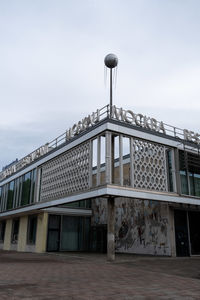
49	204
68	211
150	195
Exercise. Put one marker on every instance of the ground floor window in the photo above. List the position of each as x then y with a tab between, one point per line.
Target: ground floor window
32	227
187	232
2	230
15	231
66	233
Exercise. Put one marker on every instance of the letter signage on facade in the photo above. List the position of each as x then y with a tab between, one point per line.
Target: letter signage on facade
127	116
24	161
137	119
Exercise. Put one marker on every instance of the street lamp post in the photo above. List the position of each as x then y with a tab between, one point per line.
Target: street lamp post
111	62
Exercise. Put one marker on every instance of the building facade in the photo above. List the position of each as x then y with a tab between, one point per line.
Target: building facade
56	198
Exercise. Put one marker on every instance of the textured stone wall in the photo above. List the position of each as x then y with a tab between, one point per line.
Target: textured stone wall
141	226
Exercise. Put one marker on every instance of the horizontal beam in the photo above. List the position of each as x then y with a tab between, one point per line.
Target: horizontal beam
106	191
111	125
68	211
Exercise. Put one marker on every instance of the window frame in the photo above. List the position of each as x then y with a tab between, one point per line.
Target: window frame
30	241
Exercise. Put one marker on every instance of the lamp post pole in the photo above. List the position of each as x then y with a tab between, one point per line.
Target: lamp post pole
111	92
111	62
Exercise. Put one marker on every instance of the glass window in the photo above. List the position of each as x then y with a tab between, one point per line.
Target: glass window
170	173
191	182
184	182
10	196
15	231
126	161
0	197
197	184
189	173
40	184
69	234
88	203
26	189
115	166
32	227
4	197
54	222
75	233
81	204
18	191
94	162
103	157
2	230
33	185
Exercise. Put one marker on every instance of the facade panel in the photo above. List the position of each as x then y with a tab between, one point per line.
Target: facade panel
125	155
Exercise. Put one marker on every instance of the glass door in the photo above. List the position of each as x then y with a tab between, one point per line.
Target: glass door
53	240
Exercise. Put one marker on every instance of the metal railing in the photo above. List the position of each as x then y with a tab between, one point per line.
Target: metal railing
103	113
61	139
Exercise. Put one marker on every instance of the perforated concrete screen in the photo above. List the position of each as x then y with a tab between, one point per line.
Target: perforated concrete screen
66	174
149	165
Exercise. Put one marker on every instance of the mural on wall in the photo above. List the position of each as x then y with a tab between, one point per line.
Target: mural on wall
99	216
141	226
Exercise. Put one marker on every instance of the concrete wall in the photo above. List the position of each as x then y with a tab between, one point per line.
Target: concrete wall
21	245
22	237
141	226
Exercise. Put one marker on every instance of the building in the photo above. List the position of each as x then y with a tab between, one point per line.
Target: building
125	181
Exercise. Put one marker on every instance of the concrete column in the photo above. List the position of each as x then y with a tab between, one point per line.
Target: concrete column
172	232
41	235
111	229
177	168
108	159
22	233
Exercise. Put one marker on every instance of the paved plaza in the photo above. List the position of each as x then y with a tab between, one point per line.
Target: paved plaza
90	276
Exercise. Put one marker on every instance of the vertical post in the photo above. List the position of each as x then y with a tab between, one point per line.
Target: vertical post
108	159
110	93
188	229
172	231
121	159
113	157
90	164
187	171
98	160
174	177
177	171
131	163
111	229
38	186
111	61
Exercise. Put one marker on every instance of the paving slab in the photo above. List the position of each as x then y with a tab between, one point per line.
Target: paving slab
90	276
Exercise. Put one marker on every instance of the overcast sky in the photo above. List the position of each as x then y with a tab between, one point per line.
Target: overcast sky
52	65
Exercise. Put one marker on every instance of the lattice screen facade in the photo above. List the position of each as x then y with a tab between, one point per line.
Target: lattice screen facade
149	165
66	174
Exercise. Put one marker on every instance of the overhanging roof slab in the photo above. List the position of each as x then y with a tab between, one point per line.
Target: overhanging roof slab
107	191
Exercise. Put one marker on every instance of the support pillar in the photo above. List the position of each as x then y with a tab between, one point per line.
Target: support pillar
111	229
41	235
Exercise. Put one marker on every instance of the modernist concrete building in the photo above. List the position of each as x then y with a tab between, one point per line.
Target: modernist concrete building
119	177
